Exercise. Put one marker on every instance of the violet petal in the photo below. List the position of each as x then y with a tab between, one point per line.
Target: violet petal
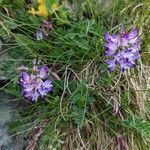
44	72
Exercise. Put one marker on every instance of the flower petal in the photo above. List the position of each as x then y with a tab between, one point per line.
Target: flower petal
131	64
35	96
47	85
44	72
24	76
27	94
111	38
111	64
28	88
133	33
124	40
42	92
110	49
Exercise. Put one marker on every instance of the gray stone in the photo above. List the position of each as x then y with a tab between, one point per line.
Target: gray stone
6	142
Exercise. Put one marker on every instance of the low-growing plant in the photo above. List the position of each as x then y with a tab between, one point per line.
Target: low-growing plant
78	104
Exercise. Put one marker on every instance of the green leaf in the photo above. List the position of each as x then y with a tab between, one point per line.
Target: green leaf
140	125
79	115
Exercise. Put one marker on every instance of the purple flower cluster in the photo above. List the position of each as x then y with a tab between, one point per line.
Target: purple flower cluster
122	50
35	85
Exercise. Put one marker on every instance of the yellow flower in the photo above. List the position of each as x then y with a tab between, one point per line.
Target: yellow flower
40	1
32	11
55	7
42	10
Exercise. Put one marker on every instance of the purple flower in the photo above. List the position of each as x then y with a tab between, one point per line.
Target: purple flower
129	39
113	43
122	50
111	64
35	85
43	72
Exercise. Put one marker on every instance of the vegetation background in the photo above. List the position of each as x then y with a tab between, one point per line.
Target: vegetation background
78	114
